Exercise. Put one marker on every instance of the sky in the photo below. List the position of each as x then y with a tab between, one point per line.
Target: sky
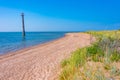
60	15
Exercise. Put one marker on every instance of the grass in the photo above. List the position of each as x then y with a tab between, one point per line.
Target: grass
105	34
115	57
95	62
78	58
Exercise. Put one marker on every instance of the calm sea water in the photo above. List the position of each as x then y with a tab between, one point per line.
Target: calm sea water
12	41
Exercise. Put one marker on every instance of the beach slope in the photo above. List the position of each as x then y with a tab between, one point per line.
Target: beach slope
41	62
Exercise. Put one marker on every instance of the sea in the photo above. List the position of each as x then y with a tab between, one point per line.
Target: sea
13	41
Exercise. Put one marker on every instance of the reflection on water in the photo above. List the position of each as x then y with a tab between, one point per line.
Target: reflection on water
23	42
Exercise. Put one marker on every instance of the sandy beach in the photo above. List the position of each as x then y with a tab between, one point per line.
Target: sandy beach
41	62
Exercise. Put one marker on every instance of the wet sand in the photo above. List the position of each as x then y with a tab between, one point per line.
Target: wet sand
41	62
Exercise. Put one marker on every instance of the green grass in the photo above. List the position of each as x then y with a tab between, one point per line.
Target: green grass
105	51
64	63
77	59
115	57
105	34
94	52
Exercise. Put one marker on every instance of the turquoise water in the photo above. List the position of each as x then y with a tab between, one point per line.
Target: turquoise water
13	41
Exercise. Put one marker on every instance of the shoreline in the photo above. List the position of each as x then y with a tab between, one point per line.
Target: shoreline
39	43
41	61
30	47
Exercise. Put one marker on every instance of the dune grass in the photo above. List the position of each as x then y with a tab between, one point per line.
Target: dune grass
100	61
71	65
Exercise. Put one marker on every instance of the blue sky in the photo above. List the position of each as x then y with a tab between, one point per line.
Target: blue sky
60	15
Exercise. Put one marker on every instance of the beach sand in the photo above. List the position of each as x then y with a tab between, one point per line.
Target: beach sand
41	62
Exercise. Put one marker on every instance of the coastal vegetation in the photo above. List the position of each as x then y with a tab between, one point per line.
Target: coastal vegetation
99	61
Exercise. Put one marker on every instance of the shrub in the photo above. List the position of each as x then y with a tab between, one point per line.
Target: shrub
95	52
